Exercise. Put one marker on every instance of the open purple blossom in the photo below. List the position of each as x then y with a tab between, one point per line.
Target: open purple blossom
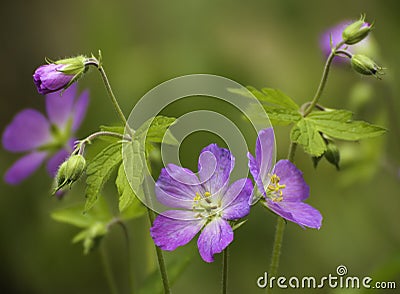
204	202
44	138
284	188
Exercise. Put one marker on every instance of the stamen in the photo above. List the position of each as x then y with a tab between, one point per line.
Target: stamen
275	189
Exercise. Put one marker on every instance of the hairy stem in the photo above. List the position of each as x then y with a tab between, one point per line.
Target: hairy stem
112	96
160	257
80	148
280	225
324	79
97	63
276	251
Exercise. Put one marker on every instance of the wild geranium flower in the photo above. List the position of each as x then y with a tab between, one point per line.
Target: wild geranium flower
207	203
43	137
58	75
284	188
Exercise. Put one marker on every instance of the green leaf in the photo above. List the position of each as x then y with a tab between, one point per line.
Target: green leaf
129	205
337	124
282	116
156	129
306	134
99	170
274	96
153	283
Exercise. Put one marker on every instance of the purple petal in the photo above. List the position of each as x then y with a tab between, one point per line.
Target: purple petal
59	106
235	202
214	238
215	166
24	167
173	229
177	187
28	130
297	212
79	110
296	188
260	166
56	160
48	78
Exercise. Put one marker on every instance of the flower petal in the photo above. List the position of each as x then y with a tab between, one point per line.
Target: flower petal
59	106
215	166
296	188
265	147
56	160
298	212
80	108
235	201
214	238
48	78
28	130
177	187
24	167
173	229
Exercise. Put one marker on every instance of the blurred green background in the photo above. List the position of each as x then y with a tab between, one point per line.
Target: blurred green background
259	43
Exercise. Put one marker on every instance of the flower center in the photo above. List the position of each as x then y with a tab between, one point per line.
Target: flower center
274	189
204	205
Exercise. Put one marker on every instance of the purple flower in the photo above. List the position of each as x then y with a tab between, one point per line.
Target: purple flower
284	188
59	75
43	137
206	201
49	78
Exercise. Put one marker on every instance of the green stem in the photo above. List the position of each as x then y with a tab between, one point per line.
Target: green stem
225	255
292	151
280	225
276	251
97	63
111	94
107	271
323	81
160	257
80	148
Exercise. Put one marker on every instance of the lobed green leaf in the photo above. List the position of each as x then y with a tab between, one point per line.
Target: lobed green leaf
274	96
282	116
99	170
129	205
306	134
338	124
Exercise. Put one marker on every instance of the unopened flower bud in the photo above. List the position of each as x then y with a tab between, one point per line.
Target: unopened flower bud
70	171
59	75
365	65
332	154
357	31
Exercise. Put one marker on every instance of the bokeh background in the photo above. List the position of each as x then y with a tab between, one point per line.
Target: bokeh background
260	43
